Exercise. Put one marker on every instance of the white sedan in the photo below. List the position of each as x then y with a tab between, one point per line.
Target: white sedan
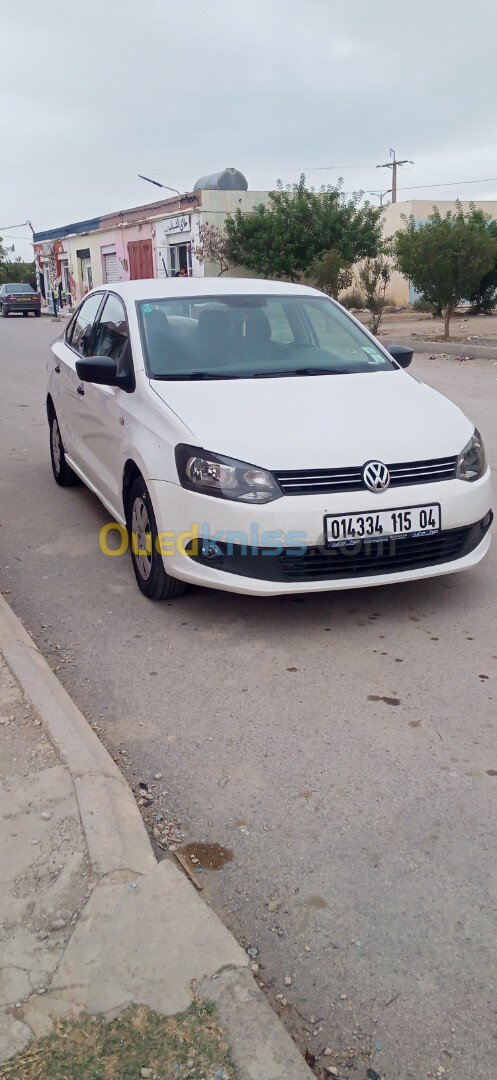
252	436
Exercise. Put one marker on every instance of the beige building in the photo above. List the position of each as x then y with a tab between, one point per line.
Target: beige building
400	290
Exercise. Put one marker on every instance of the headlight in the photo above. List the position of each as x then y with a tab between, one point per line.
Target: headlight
224	477
472	462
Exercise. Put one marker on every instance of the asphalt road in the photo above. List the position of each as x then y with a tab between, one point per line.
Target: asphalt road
363	831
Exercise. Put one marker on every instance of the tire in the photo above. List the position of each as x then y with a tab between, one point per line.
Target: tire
63	474
5	313
37	313
25	314
148	565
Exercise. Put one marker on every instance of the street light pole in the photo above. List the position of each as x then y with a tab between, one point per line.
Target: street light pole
380	194
157	184
393	165
5	228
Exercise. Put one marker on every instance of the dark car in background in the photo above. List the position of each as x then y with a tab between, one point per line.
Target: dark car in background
17	296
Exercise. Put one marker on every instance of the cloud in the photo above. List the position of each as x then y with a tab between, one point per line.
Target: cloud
92	96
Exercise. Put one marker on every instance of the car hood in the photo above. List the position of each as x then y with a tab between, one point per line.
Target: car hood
319	421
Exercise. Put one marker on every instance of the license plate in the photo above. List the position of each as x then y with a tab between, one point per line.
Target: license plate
341	530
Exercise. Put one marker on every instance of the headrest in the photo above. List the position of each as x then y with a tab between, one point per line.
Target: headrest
257	326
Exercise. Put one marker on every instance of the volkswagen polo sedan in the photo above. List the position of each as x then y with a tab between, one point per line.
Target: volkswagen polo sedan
252	436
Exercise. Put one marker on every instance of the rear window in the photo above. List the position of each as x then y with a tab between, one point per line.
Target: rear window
19	289
243	337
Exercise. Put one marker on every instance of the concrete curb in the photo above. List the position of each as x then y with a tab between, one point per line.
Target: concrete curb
116	836
452	348
174	944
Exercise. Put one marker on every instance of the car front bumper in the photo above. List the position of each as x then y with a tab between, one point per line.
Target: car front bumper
226	539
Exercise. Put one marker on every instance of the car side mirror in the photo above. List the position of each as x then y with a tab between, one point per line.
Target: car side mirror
401	353
102	370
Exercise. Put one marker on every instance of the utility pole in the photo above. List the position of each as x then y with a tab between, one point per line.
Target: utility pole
393	165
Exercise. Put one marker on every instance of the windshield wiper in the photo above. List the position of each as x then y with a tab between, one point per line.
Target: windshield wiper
299	372
193	375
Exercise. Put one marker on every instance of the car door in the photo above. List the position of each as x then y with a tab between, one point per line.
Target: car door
101	412
65	386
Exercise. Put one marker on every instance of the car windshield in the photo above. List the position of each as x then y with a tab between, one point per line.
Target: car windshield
246	337
19	288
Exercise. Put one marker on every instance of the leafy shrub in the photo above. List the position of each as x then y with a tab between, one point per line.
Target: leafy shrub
353	299
423	305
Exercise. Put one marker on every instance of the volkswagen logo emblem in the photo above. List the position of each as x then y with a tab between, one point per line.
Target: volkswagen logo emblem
376	476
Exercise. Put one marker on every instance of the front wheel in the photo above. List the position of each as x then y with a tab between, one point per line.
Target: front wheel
63	474
151	576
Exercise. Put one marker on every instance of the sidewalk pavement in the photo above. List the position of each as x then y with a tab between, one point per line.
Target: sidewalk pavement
449	348
89	921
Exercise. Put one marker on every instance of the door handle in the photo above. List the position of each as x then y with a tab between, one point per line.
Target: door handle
81	390
57	369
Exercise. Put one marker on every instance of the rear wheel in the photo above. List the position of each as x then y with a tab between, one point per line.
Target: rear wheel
25	313
151	576
5	312
63	474
37	313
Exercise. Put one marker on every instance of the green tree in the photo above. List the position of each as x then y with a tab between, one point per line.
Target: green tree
15	269
484	298
330	273
299	224
446	257
18	271
374	276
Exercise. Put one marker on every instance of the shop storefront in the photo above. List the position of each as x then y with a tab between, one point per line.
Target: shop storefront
175	239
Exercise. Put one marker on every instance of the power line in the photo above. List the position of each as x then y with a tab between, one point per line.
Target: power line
451	183
188	172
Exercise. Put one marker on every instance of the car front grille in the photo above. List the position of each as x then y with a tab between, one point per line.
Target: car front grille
366	559
330	481
393	555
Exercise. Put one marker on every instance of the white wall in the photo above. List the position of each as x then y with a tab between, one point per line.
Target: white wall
217	204
176	228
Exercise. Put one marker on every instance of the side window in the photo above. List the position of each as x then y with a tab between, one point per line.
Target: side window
80	331
112	334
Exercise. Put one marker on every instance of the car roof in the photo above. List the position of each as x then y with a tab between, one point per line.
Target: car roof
155	288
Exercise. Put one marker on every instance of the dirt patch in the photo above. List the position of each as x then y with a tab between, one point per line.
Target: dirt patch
209	856
317	903
385	698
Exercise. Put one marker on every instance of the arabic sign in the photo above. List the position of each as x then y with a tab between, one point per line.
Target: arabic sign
178	224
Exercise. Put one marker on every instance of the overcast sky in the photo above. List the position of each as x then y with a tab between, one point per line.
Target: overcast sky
94	93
